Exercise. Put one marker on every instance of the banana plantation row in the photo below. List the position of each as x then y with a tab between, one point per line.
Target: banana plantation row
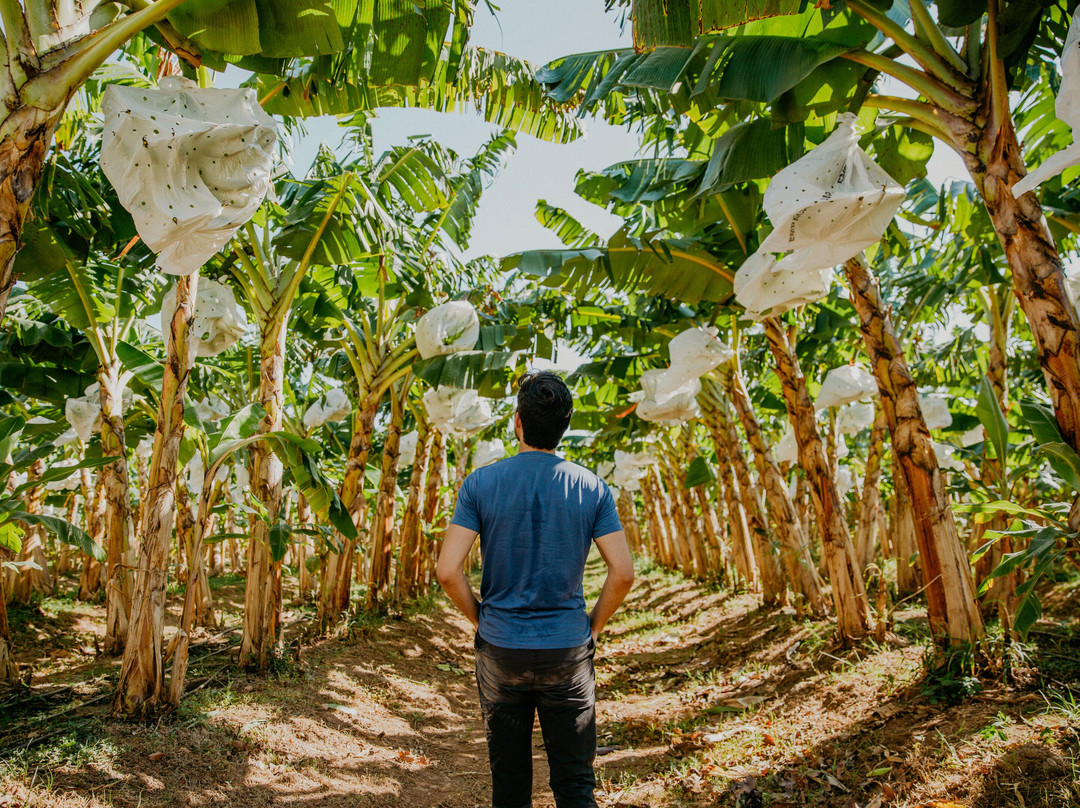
211	364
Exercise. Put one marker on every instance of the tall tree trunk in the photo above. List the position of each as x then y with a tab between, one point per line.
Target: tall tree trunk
853	616
139	691
902	540
119	527
382	528
9	670
657	529
742	552
188	531
90	576
1002	590
303	520
950	592
262	590
717	555
773	584
688	550
410	568
337	572
994	160
628	516
794	546
34	580
435	516
868	524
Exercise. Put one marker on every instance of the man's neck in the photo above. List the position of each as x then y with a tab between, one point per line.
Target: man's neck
524	447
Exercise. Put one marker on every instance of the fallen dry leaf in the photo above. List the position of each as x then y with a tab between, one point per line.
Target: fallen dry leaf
155	756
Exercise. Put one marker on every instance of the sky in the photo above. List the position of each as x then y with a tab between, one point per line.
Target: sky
506	223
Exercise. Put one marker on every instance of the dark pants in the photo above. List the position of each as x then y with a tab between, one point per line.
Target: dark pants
560	686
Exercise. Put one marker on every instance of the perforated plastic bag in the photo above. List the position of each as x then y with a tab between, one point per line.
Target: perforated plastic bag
333	406
842	449
630	467
696	351
946	457
854	418
211	408
447	328
830	204
407	448
1067	108
622	478
84	413
764	290
190	164
219	320
487	452
70	483
935	410
243	483
845	384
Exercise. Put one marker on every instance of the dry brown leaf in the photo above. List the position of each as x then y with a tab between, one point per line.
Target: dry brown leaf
155	756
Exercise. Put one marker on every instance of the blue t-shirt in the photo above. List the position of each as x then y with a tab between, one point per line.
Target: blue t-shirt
537	515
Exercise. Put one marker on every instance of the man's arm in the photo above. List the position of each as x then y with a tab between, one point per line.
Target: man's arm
451	571
620	577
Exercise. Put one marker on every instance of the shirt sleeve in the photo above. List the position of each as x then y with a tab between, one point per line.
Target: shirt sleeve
466	512
607	516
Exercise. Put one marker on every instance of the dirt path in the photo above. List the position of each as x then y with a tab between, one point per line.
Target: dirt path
702	699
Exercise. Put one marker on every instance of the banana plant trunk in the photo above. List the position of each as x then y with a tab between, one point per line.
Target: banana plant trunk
903	545
742	552
686	541
188	530
119	526
9	669
262	590
995	164
657	528
950	592
853	617
29	580
304	521
337	573
794	546
773	584
435	516
716	553
869	521
94	522
382	529
139	690
410	568
628	517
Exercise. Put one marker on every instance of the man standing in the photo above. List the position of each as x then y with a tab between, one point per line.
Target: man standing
537	516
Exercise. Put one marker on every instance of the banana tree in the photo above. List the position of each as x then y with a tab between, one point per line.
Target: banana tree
15	516
960	66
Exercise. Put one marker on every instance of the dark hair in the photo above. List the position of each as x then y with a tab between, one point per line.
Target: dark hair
545	406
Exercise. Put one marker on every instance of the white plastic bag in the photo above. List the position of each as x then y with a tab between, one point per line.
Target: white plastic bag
196	474
844	479
854	418
456	411
407	448
630	467
664	404
830	204
191	165
219	320
71	483
333	406
211	408
972	436
946	457
765	290
487	452
842	449
1067	108
696	351
845	384
935	410
447	328
786	449
84	414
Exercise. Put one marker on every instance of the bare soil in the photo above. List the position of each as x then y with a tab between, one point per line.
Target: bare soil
705	700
